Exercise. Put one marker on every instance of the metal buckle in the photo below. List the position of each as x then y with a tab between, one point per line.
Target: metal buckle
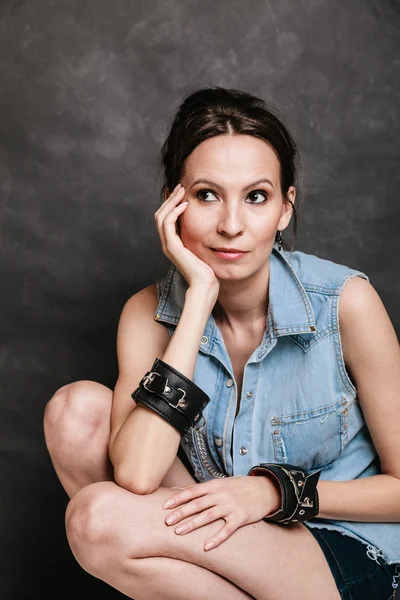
181	401
307	503
148	379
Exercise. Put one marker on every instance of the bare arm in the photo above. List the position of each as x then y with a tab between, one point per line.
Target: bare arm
142	444
372	355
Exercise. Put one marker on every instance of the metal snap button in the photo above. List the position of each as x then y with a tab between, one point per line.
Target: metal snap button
243	450
218	441
229	383
249	394
204	339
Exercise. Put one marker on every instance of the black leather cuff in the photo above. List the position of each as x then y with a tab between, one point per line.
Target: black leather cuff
171	395
299	493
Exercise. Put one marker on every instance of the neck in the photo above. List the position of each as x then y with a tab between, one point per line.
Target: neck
243	304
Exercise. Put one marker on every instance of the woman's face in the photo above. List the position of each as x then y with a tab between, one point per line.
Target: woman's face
228	205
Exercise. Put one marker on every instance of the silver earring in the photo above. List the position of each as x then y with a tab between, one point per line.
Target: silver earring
279	240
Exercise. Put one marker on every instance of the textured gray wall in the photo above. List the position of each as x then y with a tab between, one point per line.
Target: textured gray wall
87	90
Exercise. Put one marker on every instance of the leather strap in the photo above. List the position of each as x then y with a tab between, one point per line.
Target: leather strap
299	495
172	395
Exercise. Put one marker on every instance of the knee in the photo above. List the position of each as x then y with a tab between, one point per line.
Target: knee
77	409
89	526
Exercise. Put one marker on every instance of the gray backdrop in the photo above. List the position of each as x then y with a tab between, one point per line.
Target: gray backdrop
88	88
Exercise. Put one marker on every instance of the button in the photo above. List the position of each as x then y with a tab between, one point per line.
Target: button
243	450
229	383
204	339
249	394
218	441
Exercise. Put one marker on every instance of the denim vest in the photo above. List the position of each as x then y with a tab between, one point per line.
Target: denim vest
298	404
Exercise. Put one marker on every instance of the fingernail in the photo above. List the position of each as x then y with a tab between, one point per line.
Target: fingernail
181	528
168	503
171	519
209	545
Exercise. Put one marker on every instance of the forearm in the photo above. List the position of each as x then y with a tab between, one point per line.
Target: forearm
369	499
146	445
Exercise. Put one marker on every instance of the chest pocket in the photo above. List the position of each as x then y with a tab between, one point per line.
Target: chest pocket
311	439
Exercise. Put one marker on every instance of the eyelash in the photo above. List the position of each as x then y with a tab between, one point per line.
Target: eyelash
252	192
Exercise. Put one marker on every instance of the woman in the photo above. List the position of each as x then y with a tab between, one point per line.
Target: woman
290	381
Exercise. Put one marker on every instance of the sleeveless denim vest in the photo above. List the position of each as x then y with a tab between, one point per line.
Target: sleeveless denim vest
298	404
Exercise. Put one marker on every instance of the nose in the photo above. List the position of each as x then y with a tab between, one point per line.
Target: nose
231	221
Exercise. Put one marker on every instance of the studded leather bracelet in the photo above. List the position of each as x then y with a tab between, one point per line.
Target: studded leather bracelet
299	495
172	395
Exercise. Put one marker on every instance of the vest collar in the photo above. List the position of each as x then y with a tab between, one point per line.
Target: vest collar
290	311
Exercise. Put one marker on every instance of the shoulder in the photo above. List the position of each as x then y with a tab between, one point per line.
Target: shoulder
321	274
144	301
137	320
360	304
143	306
369	341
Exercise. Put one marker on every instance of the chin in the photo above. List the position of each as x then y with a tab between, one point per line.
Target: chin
230	272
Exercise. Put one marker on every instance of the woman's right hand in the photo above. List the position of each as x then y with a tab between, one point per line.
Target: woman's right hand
196	272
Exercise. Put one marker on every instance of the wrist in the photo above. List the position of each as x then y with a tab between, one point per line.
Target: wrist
204	294
271	490
298	489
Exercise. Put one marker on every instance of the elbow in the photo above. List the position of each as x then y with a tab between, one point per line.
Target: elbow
128	480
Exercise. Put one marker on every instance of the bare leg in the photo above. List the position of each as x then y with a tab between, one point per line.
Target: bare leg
77	429
109	529
160	578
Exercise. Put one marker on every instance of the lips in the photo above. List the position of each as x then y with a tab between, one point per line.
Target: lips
231	254
233	250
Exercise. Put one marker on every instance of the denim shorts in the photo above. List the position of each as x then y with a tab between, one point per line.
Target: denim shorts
358	570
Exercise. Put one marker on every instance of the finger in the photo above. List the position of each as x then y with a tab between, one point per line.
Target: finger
167	206
171	213
170	233
177	193
223	534
204	518
195	507
189	509
194	490
171	218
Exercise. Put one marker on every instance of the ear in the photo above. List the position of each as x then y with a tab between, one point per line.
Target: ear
287	209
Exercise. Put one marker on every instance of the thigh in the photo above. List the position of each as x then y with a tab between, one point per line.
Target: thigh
266	560
357	575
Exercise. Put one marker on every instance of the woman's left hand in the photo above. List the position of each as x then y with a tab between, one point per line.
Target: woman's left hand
238	500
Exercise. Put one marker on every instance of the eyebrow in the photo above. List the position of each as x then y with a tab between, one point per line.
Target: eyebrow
207	182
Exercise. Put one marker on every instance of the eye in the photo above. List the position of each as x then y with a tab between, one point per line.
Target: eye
203	192
264	194
256	192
